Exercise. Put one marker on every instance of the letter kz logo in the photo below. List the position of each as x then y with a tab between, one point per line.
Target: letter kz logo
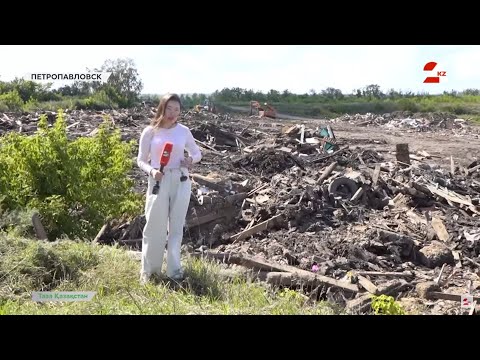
433	79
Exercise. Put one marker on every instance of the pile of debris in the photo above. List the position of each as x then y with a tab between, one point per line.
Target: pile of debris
344	221
80	123
405	119
349	217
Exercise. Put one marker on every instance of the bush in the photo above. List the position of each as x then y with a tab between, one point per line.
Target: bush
455	109
12	100
408	105
386	305
75	185
100	101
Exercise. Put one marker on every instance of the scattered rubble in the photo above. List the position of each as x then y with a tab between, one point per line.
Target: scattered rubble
406	119
309	209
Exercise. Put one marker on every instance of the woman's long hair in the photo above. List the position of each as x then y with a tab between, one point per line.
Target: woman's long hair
159	116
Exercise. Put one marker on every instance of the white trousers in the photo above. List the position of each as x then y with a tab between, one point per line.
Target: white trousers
165	211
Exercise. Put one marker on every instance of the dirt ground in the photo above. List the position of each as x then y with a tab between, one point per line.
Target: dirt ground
464	149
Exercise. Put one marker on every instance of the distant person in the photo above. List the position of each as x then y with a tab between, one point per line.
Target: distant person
167	209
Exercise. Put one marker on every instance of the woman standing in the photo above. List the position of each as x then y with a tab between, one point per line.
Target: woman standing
167	206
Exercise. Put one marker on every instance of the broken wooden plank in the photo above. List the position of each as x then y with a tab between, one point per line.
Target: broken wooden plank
415	157
208	182
360	158
285	149
367	284
38	227
376	174
257	228
312	141
439	277
363	303
100	233
440	229
446	296
358	194
473	169
448	195
327	172
208	147
472	261
309	276
257	189
413	217
72	125
280	278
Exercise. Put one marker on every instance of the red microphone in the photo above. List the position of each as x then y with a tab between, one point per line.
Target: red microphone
167	150
164	159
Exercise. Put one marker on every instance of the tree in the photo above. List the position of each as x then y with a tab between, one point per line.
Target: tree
394	94
273	96
124	85
78	88
373	91
333	94
473	92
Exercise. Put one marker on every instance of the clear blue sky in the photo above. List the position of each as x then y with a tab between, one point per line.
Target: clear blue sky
204	69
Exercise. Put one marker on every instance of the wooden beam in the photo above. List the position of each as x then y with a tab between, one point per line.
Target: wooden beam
451	297
367	285
209	147
208	182
100	233
265	265
257	228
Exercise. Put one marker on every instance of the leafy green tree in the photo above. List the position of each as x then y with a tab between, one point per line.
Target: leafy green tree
373	91
332	94
124	85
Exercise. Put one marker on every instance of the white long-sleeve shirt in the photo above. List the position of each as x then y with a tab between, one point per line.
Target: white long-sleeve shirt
152	142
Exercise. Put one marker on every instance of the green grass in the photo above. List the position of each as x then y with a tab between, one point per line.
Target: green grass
29	265
461	109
